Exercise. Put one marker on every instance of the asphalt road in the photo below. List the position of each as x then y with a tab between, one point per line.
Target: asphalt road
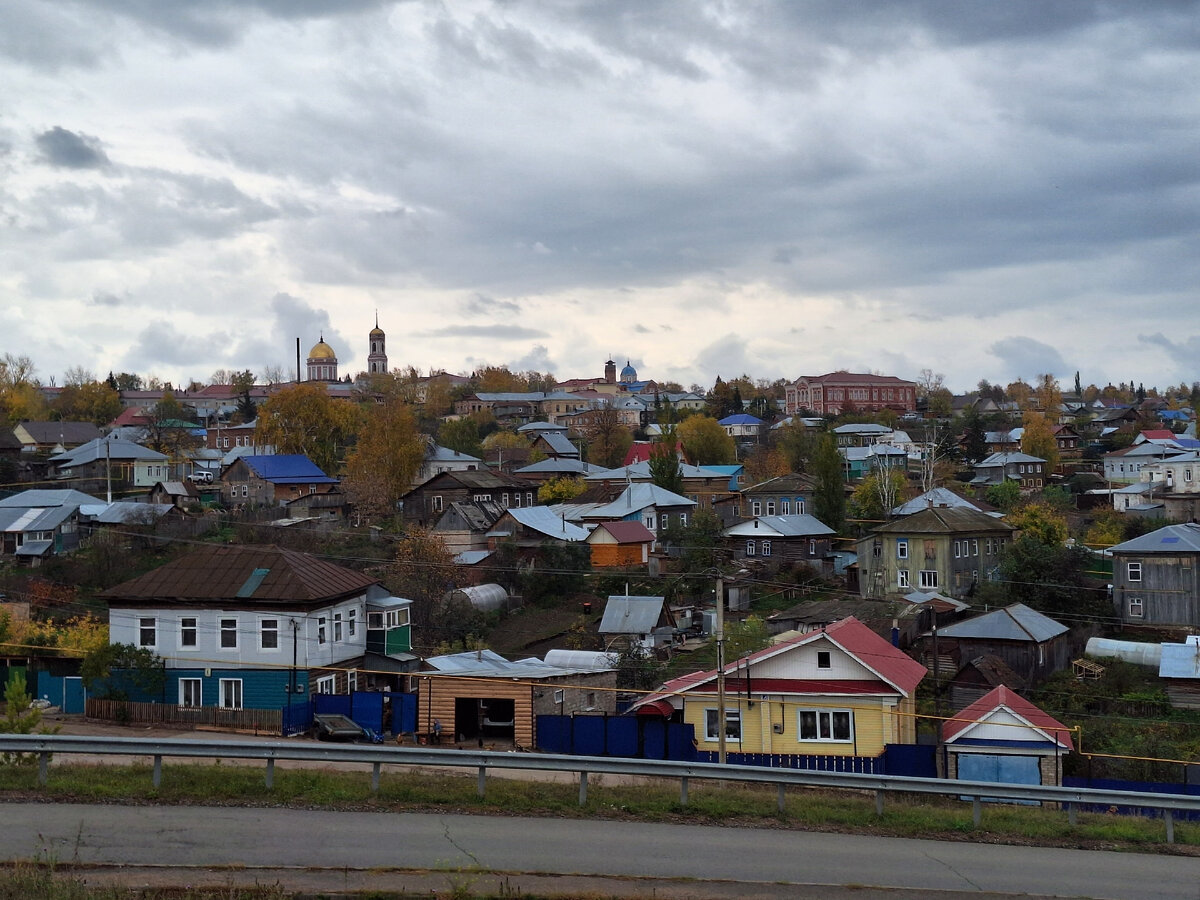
410	850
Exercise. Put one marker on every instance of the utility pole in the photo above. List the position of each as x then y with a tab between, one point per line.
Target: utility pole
720	669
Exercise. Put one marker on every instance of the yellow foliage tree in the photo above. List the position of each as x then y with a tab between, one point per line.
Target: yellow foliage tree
1038	439
386	459
1039	521
705	442
302	418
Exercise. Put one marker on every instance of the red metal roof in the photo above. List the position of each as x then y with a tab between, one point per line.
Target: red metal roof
1005	698
628	532
895	670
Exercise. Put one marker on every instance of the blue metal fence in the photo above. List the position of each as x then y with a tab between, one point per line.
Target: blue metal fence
1141	787
857	765
633	737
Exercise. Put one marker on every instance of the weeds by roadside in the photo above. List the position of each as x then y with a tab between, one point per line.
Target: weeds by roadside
728	804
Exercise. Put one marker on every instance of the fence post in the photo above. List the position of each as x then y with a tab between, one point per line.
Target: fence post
583	788
43	767
1170	818
683	789
976	810
157	772
1071	816
482	782
375	778
879	803
270	774
782	799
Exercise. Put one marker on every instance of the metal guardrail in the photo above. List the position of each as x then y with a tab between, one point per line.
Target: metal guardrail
483	760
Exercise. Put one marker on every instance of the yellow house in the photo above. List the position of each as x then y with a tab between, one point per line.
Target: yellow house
840	691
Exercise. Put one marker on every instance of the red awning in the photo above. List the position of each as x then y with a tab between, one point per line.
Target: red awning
657	708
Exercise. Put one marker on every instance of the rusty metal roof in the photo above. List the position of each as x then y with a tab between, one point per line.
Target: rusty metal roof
245	575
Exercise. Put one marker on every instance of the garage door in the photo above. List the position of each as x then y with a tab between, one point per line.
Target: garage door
999	769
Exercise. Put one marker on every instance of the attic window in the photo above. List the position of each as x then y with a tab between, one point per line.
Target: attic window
823	660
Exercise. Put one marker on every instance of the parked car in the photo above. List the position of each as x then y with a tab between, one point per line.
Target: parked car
201	476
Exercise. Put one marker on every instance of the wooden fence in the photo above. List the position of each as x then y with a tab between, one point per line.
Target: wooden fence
253	721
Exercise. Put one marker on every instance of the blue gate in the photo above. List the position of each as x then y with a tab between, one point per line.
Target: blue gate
633	737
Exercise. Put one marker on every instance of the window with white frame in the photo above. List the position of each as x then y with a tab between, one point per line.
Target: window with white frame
326	684
397	617
230	693
558	695
902	578
733	724
902	549
957	549
770	507
650	521
352	681
1133	571
785	507
799	506
974	546
683	520
321	629
1136	610
828	725
529	498
337	627
268	634
812	548
929	579
751	548
755	508
351	622
765	548
374	620
147	632
437	503
187	633
191	693
229	633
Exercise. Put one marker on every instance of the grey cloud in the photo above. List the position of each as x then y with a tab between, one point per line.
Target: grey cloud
1027	358
104	298
1182	353
538	359
483	305
69	150
499	332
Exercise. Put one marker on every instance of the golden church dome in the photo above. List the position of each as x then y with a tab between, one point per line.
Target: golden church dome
321	350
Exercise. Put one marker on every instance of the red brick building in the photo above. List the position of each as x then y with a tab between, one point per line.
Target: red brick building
838	391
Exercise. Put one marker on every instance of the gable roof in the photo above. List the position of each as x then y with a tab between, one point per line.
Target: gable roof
938	496
793	482
287	468
625	532
41	497
543	520
476	479
891	665
1003	699
741	419
558	442
105	448
1013	623
792	525
1168	539
638	497
248	574
60	432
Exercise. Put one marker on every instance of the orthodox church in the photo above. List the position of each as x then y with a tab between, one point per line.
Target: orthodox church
323	362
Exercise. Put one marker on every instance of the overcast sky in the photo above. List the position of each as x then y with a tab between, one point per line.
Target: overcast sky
988	190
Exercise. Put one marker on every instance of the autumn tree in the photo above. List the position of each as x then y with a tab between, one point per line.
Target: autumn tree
506	440
607	439
1040	521
705	442
1049	395
1038	439
829	497
302	418
1019	392
498	379
463	434
878	494
20	396
384	462
423	570
562	489
929	381
797	443
91	401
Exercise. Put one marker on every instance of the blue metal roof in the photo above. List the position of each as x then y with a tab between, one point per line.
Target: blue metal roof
287	468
